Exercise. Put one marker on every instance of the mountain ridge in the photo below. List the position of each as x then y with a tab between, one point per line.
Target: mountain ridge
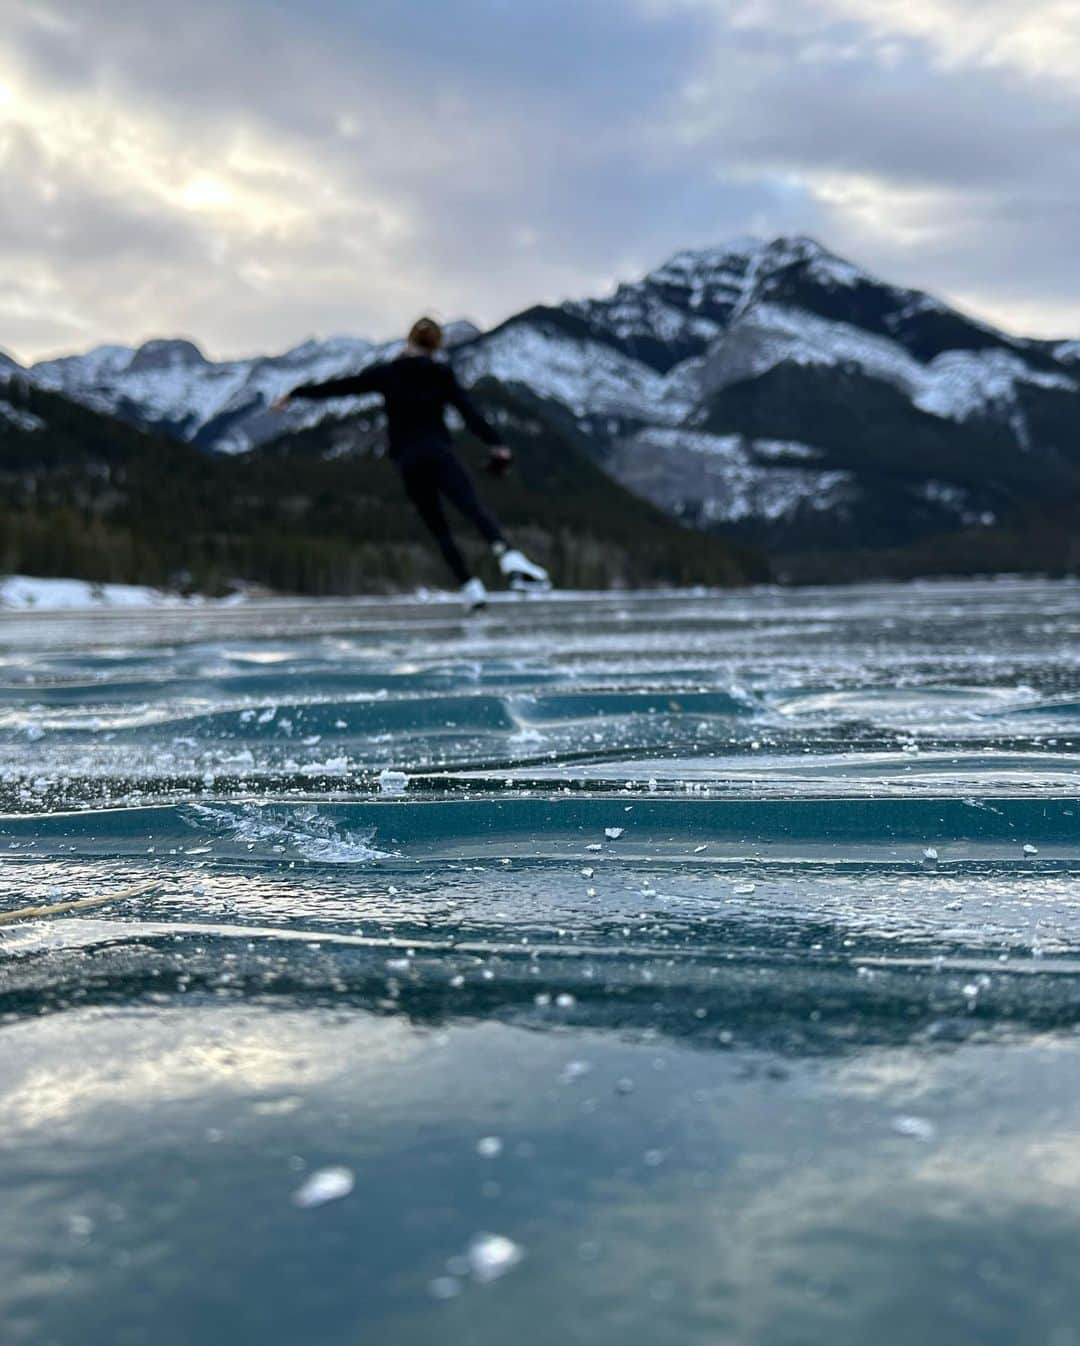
767	389
87	496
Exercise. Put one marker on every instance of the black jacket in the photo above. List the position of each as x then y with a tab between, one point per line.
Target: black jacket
416	390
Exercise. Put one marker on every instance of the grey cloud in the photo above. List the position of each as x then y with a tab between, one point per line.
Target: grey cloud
82	223
530	151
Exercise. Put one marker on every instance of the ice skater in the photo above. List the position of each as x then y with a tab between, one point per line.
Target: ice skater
416	389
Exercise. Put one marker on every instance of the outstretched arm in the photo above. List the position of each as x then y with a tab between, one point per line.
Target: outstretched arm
352	385
477	423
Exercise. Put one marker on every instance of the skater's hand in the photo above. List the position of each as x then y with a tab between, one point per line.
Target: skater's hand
499	461
281	403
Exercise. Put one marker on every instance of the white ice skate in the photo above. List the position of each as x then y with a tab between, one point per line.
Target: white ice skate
474	595
524	575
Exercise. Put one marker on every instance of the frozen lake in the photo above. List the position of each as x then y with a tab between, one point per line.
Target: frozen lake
681	968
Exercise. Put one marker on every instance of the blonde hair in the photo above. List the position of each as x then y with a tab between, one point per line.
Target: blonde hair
426	334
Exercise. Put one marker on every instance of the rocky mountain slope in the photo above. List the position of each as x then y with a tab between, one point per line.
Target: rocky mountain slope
768	390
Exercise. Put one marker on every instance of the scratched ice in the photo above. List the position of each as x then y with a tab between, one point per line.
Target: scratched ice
718	953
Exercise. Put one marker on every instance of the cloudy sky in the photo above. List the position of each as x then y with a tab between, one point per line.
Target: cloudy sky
253	172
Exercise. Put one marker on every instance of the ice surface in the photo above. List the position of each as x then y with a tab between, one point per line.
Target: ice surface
656	1084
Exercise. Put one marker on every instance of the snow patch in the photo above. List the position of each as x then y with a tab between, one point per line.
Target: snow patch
954	385
586	376
723	478
24	591
20	419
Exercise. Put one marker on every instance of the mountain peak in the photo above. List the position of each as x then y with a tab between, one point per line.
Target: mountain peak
458	332
748	256
167	353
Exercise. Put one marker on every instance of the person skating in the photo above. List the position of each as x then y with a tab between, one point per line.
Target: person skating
417	389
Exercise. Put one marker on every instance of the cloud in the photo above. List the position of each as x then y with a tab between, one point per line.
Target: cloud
935	137
250	175
1039	38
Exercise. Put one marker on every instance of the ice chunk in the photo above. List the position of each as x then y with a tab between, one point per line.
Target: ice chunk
492	1255
392	782
325	1184
614	833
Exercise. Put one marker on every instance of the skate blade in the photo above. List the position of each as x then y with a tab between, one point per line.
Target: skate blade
520	585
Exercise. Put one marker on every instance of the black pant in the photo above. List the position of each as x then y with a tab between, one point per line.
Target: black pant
431	472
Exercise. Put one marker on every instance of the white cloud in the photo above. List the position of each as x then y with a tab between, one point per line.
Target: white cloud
1039	38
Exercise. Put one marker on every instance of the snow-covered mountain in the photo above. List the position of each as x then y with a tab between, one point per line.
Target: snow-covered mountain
170	385
770	388
778	390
